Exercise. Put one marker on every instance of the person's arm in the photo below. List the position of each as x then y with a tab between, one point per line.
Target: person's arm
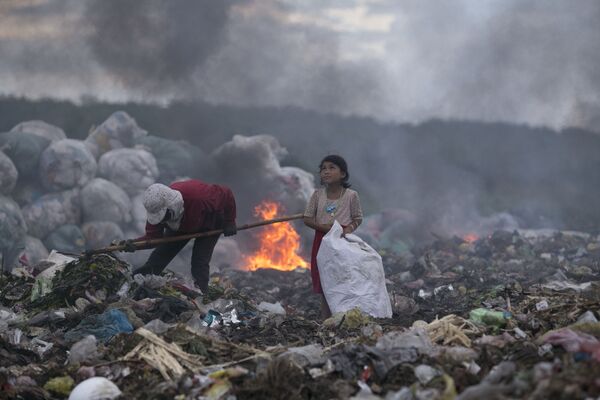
355	213
310	215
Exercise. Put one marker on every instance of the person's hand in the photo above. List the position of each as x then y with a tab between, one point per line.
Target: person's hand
326	227
230	229
128	245
347	231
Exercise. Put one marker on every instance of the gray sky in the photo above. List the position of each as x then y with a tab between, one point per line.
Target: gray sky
520	61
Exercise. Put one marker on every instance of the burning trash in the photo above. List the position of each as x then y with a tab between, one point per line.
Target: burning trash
278	245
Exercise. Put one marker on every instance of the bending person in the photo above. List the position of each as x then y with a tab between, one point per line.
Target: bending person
185	207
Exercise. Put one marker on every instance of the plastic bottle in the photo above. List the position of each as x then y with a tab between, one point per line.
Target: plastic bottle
488	317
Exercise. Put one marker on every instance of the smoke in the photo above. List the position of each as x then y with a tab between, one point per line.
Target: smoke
155	44
528	62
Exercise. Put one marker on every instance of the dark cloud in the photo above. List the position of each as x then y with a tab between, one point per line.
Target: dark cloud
529	62
156	43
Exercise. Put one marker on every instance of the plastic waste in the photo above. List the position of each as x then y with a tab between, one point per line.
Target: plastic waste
51	211
40	346
231	318
483	316
43	282
415	338
41	129
157	326
66	164
425	373
103	326
587	316
102	200
460	354
150	281
273	308
574	342
304	356
131	169
560	286
85	349
96	388
14	337
119	130
542	305
8	174
352	275
211	319
25	150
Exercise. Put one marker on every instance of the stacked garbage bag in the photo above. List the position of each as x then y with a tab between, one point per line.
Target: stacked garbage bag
58	193
510	315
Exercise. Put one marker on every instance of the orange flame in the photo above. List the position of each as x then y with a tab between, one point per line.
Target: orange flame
279	243
470	238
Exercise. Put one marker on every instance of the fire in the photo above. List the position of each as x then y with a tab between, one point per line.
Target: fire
279	243
470	238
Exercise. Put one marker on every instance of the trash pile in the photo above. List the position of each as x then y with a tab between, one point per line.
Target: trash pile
69	195
511	315
58	193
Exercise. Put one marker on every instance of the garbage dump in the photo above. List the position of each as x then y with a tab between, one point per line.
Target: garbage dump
509	315
512	314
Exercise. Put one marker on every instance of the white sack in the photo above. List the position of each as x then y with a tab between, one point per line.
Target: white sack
352	275
131	169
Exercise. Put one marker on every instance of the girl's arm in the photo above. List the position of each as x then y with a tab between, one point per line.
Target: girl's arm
310	215
311	223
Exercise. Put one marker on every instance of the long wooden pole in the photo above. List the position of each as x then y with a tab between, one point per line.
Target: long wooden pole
148	244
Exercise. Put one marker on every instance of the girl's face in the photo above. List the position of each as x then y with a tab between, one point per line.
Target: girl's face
331	173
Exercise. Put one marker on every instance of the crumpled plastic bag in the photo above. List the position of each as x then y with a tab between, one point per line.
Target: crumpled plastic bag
43	282
352	275
574	342
103	326
102	200
66	164
51	211
8	174
119	130
131	169
41	129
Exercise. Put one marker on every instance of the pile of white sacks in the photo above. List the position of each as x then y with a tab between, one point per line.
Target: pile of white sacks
71	195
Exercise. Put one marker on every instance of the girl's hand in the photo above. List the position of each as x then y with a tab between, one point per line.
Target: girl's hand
326	227
347	231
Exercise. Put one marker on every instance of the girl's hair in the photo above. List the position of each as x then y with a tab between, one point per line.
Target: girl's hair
342	165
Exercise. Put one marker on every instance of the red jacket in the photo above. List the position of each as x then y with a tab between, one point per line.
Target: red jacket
204	206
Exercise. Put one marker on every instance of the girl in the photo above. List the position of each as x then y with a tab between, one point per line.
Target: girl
334	202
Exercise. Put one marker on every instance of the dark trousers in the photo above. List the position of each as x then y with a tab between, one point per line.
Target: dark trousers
201	255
